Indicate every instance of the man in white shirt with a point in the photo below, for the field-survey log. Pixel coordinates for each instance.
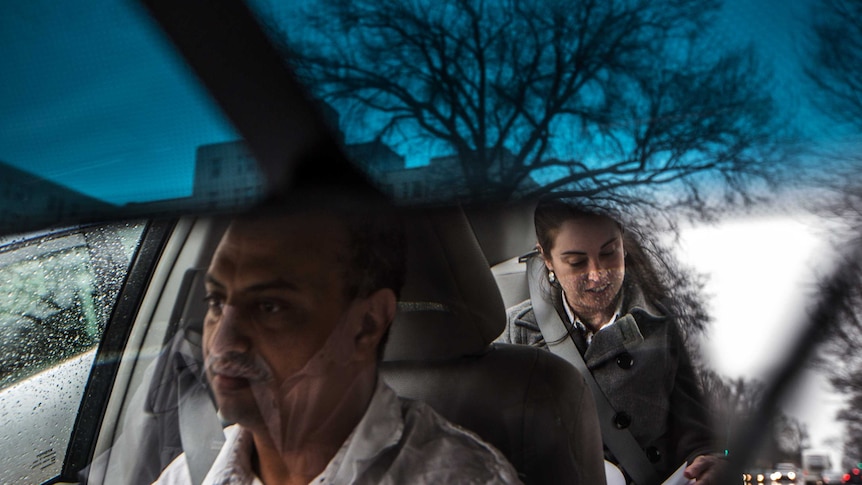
(299, 304)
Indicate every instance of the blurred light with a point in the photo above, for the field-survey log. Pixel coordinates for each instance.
(791, 475)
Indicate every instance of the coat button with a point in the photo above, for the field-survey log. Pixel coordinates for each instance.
(653, 455)
(622, 420)
(625, 360)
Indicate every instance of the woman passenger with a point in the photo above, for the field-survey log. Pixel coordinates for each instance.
(606, 290)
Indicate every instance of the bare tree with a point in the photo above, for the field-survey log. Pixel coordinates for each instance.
(731, 402)
(843, 361)
(734, 401)
(789, 438)
(590, 97)
(850, 383)
(835, 64)
(835, 69)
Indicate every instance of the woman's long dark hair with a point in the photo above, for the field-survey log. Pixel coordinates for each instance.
(552, 212)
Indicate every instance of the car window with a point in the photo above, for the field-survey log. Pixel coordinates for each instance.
(59, 289)
(728, 126)
(729, 130)
(100, 117)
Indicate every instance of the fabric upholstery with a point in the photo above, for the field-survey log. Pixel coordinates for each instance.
(530, 404)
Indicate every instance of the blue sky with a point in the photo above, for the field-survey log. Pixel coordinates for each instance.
(94, 98)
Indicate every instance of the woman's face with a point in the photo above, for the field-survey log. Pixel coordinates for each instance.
(587, 258)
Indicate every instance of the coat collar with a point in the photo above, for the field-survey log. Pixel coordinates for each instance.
(636, 315)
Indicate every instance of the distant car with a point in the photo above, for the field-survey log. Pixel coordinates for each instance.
(814, 464)
(785, 472)
(852, 476)
(755, 477)
(832, 477)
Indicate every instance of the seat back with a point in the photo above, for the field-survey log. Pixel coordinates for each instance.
(531, 405)
(511, 278)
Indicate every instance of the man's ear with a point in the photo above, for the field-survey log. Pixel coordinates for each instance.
(379, 312)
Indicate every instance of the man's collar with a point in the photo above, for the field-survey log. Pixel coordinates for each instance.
(379, 429)
(233, 463)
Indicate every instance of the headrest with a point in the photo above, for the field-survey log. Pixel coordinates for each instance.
(450, 305)
(511, 279)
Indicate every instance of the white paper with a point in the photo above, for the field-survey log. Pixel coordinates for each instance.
(678, 478)
(615, 477)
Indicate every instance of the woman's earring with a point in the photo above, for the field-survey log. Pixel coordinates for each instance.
(551, 276)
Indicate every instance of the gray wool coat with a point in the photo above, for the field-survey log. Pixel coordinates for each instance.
(644, 370)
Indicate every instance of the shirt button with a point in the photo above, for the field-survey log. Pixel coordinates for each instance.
(622, 420)
(653, 455)
(625, 360)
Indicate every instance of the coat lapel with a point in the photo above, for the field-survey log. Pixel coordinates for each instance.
(609, 342)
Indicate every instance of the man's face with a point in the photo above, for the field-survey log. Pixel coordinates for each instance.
(276, 292)
(588, 260)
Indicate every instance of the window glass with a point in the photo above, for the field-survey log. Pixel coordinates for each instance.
(716, 127)
(101, 117)
(59, 289)
(680, 114)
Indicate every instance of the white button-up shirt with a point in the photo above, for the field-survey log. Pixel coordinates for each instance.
(574, 320)
(397, 441)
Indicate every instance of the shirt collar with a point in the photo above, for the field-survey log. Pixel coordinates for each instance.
(576, 321)
(379, 429)
(233, 464)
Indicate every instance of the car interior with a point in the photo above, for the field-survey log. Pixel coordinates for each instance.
(145, 398)
(526, 402)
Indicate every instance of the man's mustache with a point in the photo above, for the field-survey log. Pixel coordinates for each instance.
(238, 365)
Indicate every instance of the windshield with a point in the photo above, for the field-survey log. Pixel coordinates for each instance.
(721, 138)
(727, 131)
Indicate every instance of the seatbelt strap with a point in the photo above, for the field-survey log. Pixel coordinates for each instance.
(201, 432)
(555, 332)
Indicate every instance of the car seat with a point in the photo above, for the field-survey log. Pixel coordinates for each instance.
(511, 278)
(530, 404)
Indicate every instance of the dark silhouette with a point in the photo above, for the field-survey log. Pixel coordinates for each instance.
(733, 402)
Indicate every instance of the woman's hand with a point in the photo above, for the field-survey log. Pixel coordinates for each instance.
(705, 469)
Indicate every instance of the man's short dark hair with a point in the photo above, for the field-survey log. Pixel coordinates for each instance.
(376, 252)
(375, 257)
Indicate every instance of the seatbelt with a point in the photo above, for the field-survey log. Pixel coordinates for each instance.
(620, 441)
(201, 431)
